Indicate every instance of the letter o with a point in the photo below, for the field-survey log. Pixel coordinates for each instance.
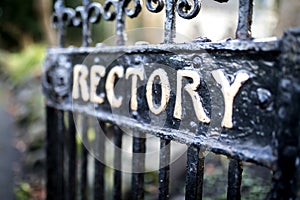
(165, 91)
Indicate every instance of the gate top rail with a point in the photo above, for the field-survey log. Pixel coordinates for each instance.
(262, 45)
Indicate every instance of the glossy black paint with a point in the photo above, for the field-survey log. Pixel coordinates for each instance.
(249, 140)
(266, 110)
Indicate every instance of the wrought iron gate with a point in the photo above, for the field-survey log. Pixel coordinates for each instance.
(240, 97)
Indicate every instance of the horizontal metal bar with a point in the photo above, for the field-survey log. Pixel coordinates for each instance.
(262, 44)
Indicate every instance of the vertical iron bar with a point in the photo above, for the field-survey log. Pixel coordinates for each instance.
(55, 153)
(117, 190)
(72, 161)
(84, 160)
(120, 25)
(164, 169)
(138, 168)
(59, 7)
(195, 171)
(86, 29)
(61, 29)
(245, 19)
(55, 131)
(235, 170)
(86, 40)
(170, 21)
(99, 184)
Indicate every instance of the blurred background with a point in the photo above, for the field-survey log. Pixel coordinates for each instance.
(26, 32)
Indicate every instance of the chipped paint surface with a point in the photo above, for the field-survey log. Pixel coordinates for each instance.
(243, 132)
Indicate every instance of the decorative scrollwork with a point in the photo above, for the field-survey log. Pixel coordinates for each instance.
(90, 13)
(78, 18)
(109, 15)
(136, 8)
(186, 10)
(121, 7)
(95, 11)
(62, 16)
(155, 5)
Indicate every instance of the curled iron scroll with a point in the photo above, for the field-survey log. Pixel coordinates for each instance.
(95, 11)
(92, 14)
(187, 10)
(155, 5)
(184, 8)
(107, 14)
(119, 7)
(136, 8)
(62, 16)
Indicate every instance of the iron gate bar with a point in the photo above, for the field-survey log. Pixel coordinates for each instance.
(72, 159)
(54, 151)
(170, 29)
(243, 32)
(245, 19)
(138, 166)
(164, 169)
(235, 170)
(84, 160)
(55, 126)
(99, 182)
(117, 190)
(195, 172)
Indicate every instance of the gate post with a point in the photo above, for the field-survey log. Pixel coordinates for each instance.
(286, 176)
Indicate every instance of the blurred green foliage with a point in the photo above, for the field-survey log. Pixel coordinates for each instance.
(23, 191)
(22, 65)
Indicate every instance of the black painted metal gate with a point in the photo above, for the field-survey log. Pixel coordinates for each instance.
(238, 98)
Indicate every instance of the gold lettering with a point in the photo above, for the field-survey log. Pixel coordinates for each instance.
(191, 89)
(135, 73)
(229, 92)
(97, 71)
(114, 101)
(165, 91)
(80, 74)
